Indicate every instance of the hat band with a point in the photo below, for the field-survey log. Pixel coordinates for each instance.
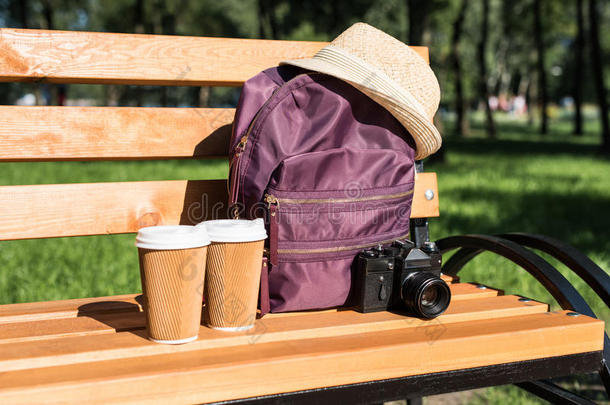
(368, 76)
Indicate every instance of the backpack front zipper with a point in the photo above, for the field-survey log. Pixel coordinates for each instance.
(346, 248)
(273, 205)
(270, 199)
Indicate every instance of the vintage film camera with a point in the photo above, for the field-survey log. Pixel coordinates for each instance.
(401, 276)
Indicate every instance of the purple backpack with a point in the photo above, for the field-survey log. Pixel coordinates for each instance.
(329, 170)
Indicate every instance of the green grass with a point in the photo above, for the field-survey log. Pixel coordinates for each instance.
(548, 186)
(555, 185)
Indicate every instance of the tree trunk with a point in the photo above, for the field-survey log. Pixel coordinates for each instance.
(260, 9)
(461, 125)
(598, 75)
(272, 19)
(528, 102)
(579, 44)
(138, 26)
(204, 97)
(483, 90)
(418, 20)
(542, 93)
(47, 11)
(23, 13)
(266, 14)
(501, 81)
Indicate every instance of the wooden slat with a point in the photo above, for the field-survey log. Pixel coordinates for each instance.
(42, 320)
(105, 208)
(122, 304)
(72, 340)
(462, 291)
(323, 322)
(55, 210)
(82, 325)
(38, 311)
(176, 374)
(104, 133)
(422, 207)
(459, 292)
(88, 57)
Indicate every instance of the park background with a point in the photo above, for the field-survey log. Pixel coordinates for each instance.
(524, 116)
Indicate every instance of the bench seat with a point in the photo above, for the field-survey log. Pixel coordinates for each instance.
(95, 349)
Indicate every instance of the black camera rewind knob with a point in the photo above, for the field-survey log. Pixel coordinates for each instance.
(369, 253)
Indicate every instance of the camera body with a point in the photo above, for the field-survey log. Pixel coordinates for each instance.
(401, 276)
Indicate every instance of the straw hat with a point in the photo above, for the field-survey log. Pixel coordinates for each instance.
(387, 71)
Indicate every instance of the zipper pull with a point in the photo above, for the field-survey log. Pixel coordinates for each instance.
(273, 204)
(242, 144)
(233, 181)
(264, 287)
(272, 200)
(234, 167)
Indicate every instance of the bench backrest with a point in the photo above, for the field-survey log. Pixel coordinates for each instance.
(129, 133)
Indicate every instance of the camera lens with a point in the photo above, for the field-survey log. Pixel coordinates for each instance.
(429, 297)
(425, 294)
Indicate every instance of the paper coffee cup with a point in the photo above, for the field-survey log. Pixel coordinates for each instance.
(233, 272)
(172, 268)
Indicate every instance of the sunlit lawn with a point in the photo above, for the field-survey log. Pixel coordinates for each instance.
(553, 185)
(524, 182)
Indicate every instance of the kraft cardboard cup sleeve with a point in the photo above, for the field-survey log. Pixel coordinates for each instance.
(172, 268)
(233, 272)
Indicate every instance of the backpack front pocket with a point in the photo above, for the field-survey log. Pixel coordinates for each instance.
(322, 209)
(313, 244)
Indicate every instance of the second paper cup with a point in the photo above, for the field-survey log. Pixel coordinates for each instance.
(233, 272)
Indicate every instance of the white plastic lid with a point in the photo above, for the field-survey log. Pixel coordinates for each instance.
(235, 230)
(168, 237)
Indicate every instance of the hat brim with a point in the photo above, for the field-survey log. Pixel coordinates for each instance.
(380, 88)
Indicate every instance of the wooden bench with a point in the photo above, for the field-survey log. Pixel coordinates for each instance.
(95, 349)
